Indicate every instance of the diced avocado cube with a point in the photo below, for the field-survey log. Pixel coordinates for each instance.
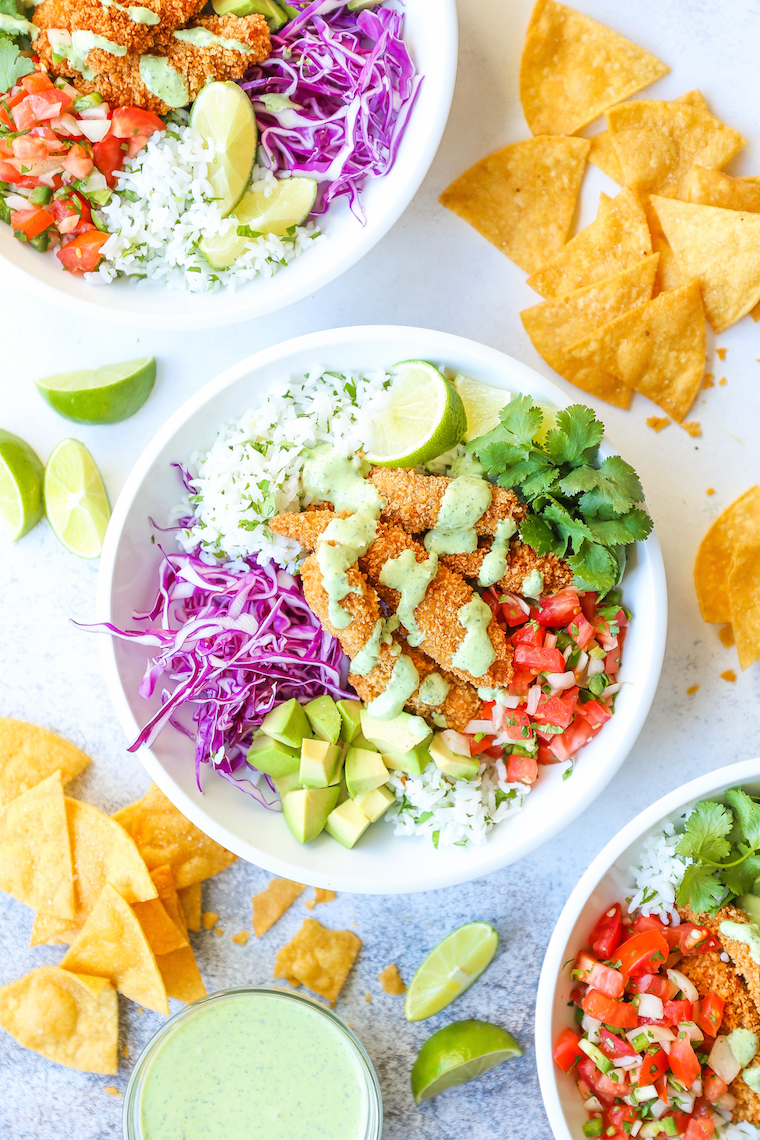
(413, 762)
(744, 1045)
(752, 1078)
(401, 733)
(307, 809)
(346, 823)
(365, 771)
(287, 723)
(750, 904)
(272, 12)
(273, 757)
(350, 715)
(285, 784)
(373, 804)
(324, 718)
(320, 761)
(454, 765)
(342, 791)
(362, 742)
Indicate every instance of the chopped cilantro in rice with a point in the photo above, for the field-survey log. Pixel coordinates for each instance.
(658, 874)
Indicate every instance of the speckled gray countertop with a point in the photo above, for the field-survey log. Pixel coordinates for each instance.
(430, 270)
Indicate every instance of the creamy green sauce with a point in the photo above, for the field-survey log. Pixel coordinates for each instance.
(745, 932)
(487, 694)
(411, 578)
(255, 1065)
(74, 46)
(495, 562)
(434, 689)
(466, 465)
(164, 81)
(369, 655)
(465, 500)
(203, 38)
(84, 42)
(532, 584)
(352, 538)
(329, 477)
(475, 654)
(404, 681)
(439, 720)
(14, 24)
(136, 13)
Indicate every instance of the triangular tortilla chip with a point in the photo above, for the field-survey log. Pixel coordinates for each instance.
(112, 945)
(162, 932)
(522, 198)
(659, 349)
(720, 249)
(190, 902)
(714, 188)
(35, 852)
(318, 958)
(28, 755)
(179, 969)
(102, 853)
(616, 240)
(738, 525)
(66, 1018)
(164, 835)
(657, 143)
(573, 69)
(554, 325)
(167, 893)
(744, 598)
(270, 905)
(669, 273)
(603, 153)
(127, 814)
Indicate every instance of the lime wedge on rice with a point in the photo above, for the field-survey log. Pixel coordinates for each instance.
(423, 416)
(265, 209)
(449, 969)
(482, 404)
(223, 113)
(458, 1053)
(104, 395)
(20, 486)
(76, 503)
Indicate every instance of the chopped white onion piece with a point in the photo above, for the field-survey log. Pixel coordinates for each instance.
(550, 640)
(612, 689)
(534, 696)
(66, 225)
(66, 124)
(722, 1060)
(593, 1104)
(590, 1026)
(560, 681)
(474, 726)
(16, 202)
(649, 1005)
(99, 111)
(727, 1101)
(629, 1062)
(95, 129)
(636, 1127)
(685, 985)
(658, 1109)
(692, 1030)
(595, 665)
(456, 741)
(645, 1092)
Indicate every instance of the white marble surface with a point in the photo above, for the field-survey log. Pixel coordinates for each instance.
(431, 270)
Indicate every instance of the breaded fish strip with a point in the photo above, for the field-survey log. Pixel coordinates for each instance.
(413, 501)
(92, 16)
(739, 951)
(521, 561)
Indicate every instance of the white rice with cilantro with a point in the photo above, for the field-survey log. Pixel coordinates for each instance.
(658, 874)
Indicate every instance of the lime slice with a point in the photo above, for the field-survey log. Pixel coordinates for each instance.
(458, 1053)
(264, 210)
(450, 969)
(482, 404)
(223, 112)
(20, 486)
(423, 417)
(548, 424)
(76, 502)
(100, 395)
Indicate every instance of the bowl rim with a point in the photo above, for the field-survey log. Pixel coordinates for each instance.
(638, 827)
(451, 345)
(236, 312)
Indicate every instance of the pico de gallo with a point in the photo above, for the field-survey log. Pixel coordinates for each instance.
(59, 154)
(648, 1055)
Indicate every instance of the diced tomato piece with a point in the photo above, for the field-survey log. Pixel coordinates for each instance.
(581, 630)
(608, 933)
(695, 939)
(595, 712)
(126, 122)
(31, 222)
(613, 1046)
(674, 1012)
(611, 1012)
(603, 1084)
(28, 148)
(714, 1086)
(566, 744)
(710, 1015)
(700, 1128)
(556, 710)
(517, 725)
(643, 953)
(588, 601)
(9, 173)
(78, 161)
(560, 609)
(661, 1084)
(478, 746)
(529, 634)
(620, 1116)
(109, 155)
(641, 984)
(684, 1063)
(653, 1067)
(83, 253)
(522, 770)
(609, 982)
(612, 661)
(521, 681)
(511, 610)
(648, 922)
(566, 1049)
(544, 660)
(662, 988)
(545, 754)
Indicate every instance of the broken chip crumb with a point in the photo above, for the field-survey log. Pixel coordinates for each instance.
(729, 675)
(112, 1090)
(693, 428)
(710, 491)
(218, 930)
(692, 689)
(722, 382)
(657, 423)
(208, 919)
(726, 635)
(241, 938)
(125, 1051)
(390, 980)
(320, 896)
(270, 905)
(368, 997)
(721, 352)
(708, 381)
(319, 958)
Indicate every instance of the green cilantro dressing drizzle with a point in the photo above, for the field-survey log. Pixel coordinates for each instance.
(476, 654)
(495, 562)
(329, 477)
(369, 655)
(411, 578)
(136, 13)
(18, 25)
(434, 689)
(532, 584)
(465, 500)
(404, 681)
(351, 538)
(164, 81)
(203, 38)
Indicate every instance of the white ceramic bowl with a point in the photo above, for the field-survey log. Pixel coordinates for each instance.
(381, 863)
(605, 882)
(431, 32)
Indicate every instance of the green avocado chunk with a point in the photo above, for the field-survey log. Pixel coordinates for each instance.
(350, 715)
(750, 904)
(375, 803)
(365, 771)
(320, 764)
(324, 718)
(285, 784)
(287, 723)
(401, 733)
(307, 809)
(454, 765)
(413, 762)
(273, 757)
(347, 823)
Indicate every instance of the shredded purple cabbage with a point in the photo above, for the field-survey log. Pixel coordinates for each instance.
(354, 84)
(236, 643)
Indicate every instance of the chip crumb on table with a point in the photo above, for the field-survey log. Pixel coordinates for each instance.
(242, 937)
(270, 904)
(321, 895)
(728, 675)
(726, 635)
(368, 998)
(693, 428)
(710, 491)
(218, 930)
(692, 689)
(657, 423)
(709, 379)
(722, 382)
(209, 919)
(391, 981)
(721, 352)
(112, 1090)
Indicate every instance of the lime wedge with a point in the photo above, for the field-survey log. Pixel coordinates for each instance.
(548, 424)
(76, 502)
(458, 1053)
(482, 404)
(450, 969)
(423, 417)
(100, 395)
(223, 112)
(264, 210)
(20, 486)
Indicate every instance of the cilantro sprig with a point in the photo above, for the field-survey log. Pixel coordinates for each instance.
(584, 511)
(724, 845)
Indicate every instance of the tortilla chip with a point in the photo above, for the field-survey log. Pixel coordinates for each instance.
(318, 958)
(714, 188)
(190, 901)
(113, 945)
(164, 835)
(738, 525)
(127, 815)
(616, 240)
(162, 933)
(181, 976)
(522, 198)
(270, 905)
(573, 69)
(28, 755)
(659, 349)
(163, 880)
(669, 273)
(554, 325)
(320, 896)
(657, 143)
(391, 981)
(69, 1019)
(744, 599)
(603, 153)
(720, 249)
(35, 852)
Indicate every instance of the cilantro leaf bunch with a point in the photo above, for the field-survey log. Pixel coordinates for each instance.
(724, 845)
(13, 65)
(581, 510)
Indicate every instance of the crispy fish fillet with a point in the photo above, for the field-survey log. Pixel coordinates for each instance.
(521, 560)
(413, 501)
(92, 16)
(739, 951)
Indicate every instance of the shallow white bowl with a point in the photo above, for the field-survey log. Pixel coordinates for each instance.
(430, 29)
(607, 881)
(381, 863)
